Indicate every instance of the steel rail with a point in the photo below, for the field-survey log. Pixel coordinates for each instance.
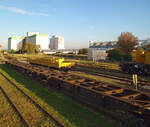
(35, 103)
(13, 106)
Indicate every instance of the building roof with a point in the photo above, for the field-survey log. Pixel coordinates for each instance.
(14, 37)
(104, 45)
(37, 35)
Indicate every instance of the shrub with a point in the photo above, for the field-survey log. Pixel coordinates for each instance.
(114, 54)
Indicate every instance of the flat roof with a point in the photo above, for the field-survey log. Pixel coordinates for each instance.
(35, 35)
(14, 37)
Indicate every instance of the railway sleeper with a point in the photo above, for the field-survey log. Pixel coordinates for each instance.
(109, 100)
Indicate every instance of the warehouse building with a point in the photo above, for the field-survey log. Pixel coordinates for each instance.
(96, 54)
(97, 50)
(15, 43)
(56, 43)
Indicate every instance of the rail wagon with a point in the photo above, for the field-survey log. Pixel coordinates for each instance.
(57, 63)
(141, 65)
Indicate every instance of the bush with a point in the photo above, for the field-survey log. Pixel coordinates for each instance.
(114, 54)
(127, 57)
(83, 51)
(13, 51)
(117, 55)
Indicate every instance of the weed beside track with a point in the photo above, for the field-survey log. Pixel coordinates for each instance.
(28, 110)
(8, 115)
(61, 107)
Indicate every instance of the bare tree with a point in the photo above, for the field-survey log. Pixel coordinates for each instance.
(127, 42)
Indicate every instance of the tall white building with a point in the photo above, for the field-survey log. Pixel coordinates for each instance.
(56, 43)
(38, 39)
(15, 43)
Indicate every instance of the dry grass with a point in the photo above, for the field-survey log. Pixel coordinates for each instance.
(102, 79)
(104, 65)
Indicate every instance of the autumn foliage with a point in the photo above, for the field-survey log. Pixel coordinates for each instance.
(126, 42)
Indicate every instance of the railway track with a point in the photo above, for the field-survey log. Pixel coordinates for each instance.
(25, 121)
(14, 107)
(96, 94)
(108, 75)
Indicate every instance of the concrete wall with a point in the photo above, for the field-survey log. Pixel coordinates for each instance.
(96, 54)
(15, 43)
(57, 43)
(41, 39)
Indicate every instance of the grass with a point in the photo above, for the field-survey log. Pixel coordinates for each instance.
(104, 65)
(101, 64)
(101, 79)
(7, 114)
(29, 111)
(63, 108)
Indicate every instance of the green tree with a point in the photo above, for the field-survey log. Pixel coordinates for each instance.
(127, 57)
(118, 55)
(13, 51)
(83, 51)
(30, 48)
(38, 48)
(114, 54)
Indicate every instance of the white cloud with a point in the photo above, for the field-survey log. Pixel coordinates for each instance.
(21, 11)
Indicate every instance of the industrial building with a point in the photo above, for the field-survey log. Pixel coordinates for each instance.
(96, 54)
(38, 39)
(97, 50)
(15, 43)
(143, 43)
(56, 43)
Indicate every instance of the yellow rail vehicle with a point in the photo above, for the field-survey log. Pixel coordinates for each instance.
(141, 65)
(58, 63)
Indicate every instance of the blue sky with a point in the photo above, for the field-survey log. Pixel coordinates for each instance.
(77, 20)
